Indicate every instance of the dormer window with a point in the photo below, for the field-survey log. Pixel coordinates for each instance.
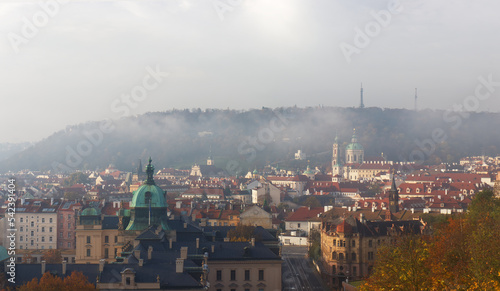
(429, 190)
(418, 190)
(408, 190)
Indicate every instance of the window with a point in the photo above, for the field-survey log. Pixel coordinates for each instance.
(21, 219)
(21, 228)
(298, 225)
(61, 234)
(50, 229)
(43, 239)
(50, 220)
(50, 239)
(106, 239)
(69, 234)
(334, 256)
(370, 243)
(32, 233)
(88, 239)
(353, 243)
(32, 242)
(116, 252)
(233, 275)
(219, 275)
(127, 280)
(69, 225)
(32, 224)
(353, 256)
(43, 229)
(334, 269)
(88, 252)
(21, 238)
(261, 275)
(116, 239)
(43, 220)
(247, 275)
(354, 271)
(106, 253)
(341, 256)
(370, 256)
(61, 217)
(69, 216)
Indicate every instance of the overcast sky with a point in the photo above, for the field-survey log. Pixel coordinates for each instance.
(74, 65)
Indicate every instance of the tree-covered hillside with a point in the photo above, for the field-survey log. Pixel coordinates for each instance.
(243, 140)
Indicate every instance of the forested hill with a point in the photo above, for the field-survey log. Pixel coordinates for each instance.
(243, 140)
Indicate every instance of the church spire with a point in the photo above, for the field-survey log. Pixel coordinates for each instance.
(393, 195)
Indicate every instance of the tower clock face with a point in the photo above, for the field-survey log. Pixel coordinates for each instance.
(392, 202)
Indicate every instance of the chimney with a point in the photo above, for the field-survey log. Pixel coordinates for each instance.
(362, 218)
(101, 265)
(185, 225)
(52, 201)
(43, 267)
(64, 263)
(197, 243)
(170, 242)
(137, 254)
(141, 262)
(179, 265)
(213, 248)
(184, 253)
(150, 252)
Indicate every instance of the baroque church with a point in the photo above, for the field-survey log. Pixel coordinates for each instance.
(354, 156)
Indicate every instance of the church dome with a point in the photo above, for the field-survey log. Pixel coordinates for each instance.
(148, 192)
(91, 211)
(354, 145)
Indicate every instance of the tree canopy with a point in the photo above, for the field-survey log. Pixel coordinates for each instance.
(463, 254)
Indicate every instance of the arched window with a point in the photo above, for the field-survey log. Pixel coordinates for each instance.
(341, 256)
(334, 256)
(353, 256)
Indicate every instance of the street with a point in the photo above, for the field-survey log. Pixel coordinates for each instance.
(298, 274)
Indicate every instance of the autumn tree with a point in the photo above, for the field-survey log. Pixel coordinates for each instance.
(401, 266)
(52, 257)
(49, 282)
(242, 233)
(312, 201)
(76, 178)
(463, 254)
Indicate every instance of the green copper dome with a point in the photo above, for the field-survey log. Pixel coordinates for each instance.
(354, 145)
(91, 211)
(145, 193)
(148, 205)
